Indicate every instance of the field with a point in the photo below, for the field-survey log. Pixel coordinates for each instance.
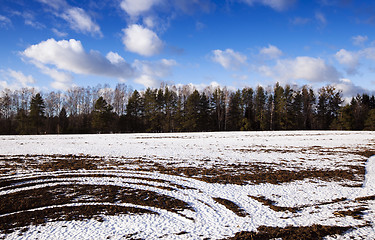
(228, 185)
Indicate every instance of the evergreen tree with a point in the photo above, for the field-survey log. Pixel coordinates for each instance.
(36, 116)
(234, 111)
(170, 109)
(102, 116)
(328, 105)
(278, 116)
(289, 114)
(344, 120)
(134, 112)
(260, 109)
(219, 108)
(150, 110)
(370, 121)
(63, 122)
(192, 112)
(308, 102)
(297, 112)
(22, 121)
(248, 106)
(204, 120)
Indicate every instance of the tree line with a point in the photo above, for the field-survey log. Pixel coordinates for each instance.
(102, 109)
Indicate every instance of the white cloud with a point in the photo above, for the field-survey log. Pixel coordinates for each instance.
(80, 21)
(135, 8)
(77, 18)
(349, 59)
(368, 53)
(15, 79)
(4, 21)
(70, 56)
(61, 59)
(271, 51)
(229, 59)
(21, 78)
(115, 58)
(58, 33)
(141, 40)
(63, 80)
(302, 68)
(349, 89)
(150, 74)
(359, 40)
(278, 5)
(149, 22)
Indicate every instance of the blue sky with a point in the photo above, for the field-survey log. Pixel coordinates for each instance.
(56, 44)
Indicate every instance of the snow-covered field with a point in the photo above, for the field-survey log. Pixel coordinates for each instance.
(185, 185)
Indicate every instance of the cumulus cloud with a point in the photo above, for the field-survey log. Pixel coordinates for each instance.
(271, 52)
(228, 59)
(278, 5)
(135, 8)
(61, 59)
(15, 79)
(115, 58)
(141, 40)
(349, 59)
(359, 40)
(349, 89)
(302, 68)
(150, 74)
(70, 56)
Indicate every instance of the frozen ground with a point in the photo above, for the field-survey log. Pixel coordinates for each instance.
(187, 185)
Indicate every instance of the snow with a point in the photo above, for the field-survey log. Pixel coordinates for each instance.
(282, 150)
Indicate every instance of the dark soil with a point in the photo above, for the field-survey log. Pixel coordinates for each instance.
(16, 221)
(21, 205)
(254, 173)
(232, 206)
(271, 204)
(20, 202)
(315, 232)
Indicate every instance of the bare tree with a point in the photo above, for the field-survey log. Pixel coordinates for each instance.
(120, 98)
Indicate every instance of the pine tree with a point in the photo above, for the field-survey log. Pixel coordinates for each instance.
(102, 115)
(248, 106)
(63, 124)
(260, 109)
(36, 116)
(192, 112)
(308, 109)
(134, 112)
(204, 120)
(370, 121)
(235, 112)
